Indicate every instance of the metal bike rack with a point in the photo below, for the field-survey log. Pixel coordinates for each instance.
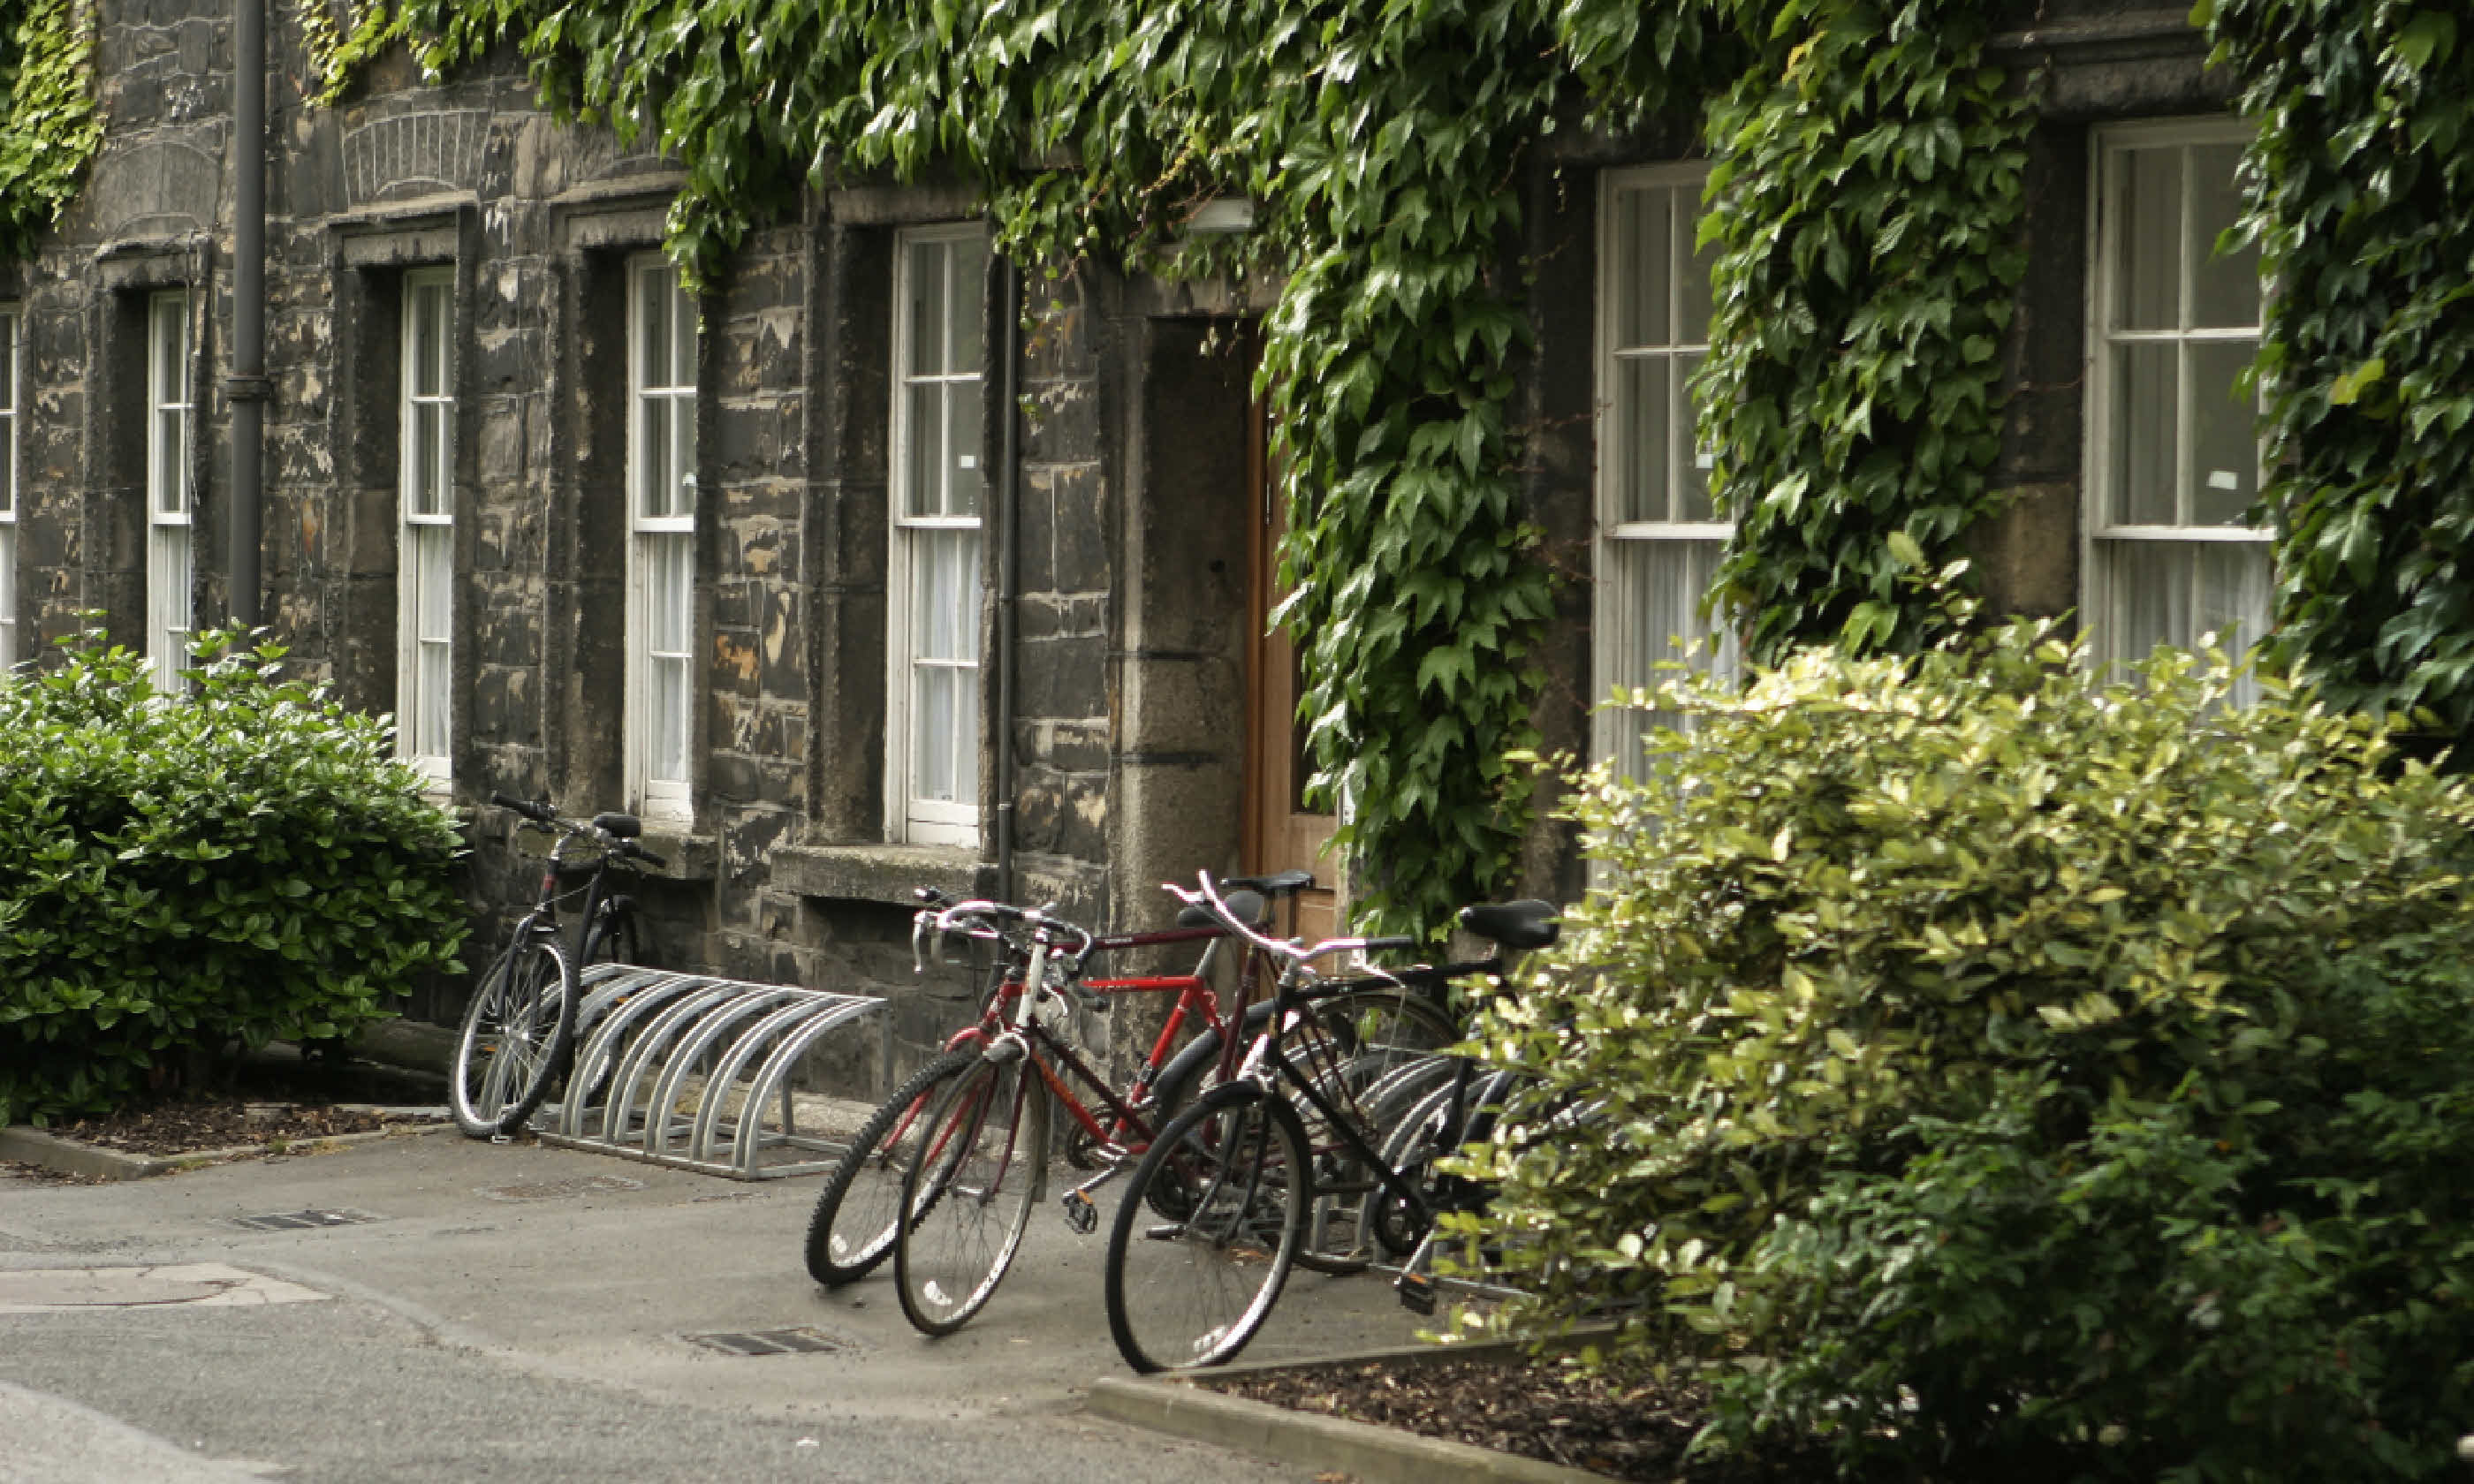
(691, 1070)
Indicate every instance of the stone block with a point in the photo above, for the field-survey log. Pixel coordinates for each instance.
(1064, 678)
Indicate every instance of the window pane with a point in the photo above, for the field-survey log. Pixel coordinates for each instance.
(1644, 266)
(429, 340)
(945, 596)
(170, 482)
(427, 494)
(654, 325)
(167, 601)
(964, 306)
(2224, 291)
(656, 461)
(2178, 592)
(669, 588)
(925, 494)
(2147, 223)
(2225, 434)
(666, 759)
(680, 487)
(1659, 588)
(434, 573)
(681, 368)
(1694, 296)
(1643, 405)
(926, 291)
(430, 723)
(1692, 468)
(932, 733)
(962, 480)
(2144, 455)
(8, 591)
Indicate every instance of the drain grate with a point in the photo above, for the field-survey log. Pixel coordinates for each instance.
(554, 1190)
(767, 1342)
(298, 1220)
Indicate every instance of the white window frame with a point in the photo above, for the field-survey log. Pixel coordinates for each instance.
(170, 492)
(425, 525)
(911, 819)
(661, 547)
(2106, 541)
(12, 377)
(1621, 655)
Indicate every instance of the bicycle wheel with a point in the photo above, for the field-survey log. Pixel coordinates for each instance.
(853, 1228)
(969, 1189)
(515, 1038)
(1192, 1291)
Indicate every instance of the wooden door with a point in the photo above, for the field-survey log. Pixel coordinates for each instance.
(1281, 833)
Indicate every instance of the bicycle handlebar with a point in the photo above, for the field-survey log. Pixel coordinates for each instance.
(539, 811)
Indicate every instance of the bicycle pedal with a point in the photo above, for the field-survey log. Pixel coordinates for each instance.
(501, 1138)
(1080, 1213)
(1417, 1293)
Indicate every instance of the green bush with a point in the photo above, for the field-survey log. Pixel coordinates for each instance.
(2009, 1073)
(244, 864)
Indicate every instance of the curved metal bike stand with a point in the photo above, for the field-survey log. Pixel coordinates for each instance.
(678, 1068)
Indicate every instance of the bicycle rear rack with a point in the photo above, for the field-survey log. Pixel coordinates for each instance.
(695, 1071)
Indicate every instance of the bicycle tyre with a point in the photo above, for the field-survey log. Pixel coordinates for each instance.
(853, 1229)
(969, 1189)
(1191, 1292)
(514, 1039)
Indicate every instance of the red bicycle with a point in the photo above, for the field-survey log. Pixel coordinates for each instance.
(967, 1136)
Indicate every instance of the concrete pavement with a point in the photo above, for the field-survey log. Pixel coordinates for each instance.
(519, 1311)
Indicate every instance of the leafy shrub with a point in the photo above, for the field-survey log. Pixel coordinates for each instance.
(246, 863)
(2017, 1074)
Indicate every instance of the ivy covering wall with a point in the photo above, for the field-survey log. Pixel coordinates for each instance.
(50, 128)
(1867, 194)
(2362, 195)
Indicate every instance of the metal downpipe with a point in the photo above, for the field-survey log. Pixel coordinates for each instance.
(1008, 558)
(245, 388)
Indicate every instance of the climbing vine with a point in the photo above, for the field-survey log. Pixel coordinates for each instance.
(50, 128)
(2360, 185)
(1865, 204)
(1866, 209)
(1382, 144)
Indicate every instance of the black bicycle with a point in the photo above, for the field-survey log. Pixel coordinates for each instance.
(518, 1032)
(1282, 1162)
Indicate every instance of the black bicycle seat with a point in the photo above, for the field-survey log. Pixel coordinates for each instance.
(1515, 924)
(1278, 884)
(1245, 906)
(625, 826)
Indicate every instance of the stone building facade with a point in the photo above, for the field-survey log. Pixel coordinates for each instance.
(739, 564)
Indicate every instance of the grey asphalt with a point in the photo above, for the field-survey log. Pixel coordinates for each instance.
(505, 1316)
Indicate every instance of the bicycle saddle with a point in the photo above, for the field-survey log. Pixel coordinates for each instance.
(1515, 924)
(1245, 906)
(625, 826)
(1278, 885)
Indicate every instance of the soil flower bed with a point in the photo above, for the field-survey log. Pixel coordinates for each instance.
(1627, 1429)
(196, 1125)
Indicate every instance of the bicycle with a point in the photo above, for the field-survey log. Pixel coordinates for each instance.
(1224, 1201)
(519, 1031)
(975, 1120)
(852, 1230)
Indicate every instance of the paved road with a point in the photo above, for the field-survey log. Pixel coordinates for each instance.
(521, 1312)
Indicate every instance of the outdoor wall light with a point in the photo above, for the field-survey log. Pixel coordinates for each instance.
(1222, 216)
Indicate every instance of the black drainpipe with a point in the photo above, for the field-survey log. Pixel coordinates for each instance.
(1008, 562)
(245, 388)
